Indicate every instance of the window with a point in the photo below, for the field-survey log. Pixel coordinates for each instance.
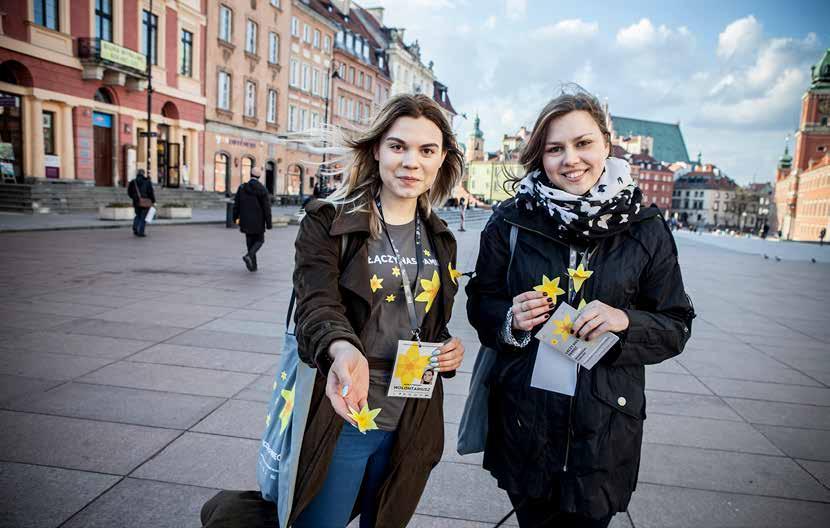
(325, 93)
(292, 118)
(361, 80)
(294, 78)
(315, 81)
(315, 119)
(271, 114)
(369, 83)
(250, 37)
(350, 41)
(220, 171)
(351, 75)
(46, 14)
(275, 3)
(306, 76)
(341, 106)
(150, 24)
(326, 43)
(339, 38)
(317, 38)
(49, 133)
(303, 124)
(225, 23)
(273, 48)
(187, 53)
(307, 33)
(250, 99)
(223, 91)
(103, 19)
(342, 72)
(295, 26)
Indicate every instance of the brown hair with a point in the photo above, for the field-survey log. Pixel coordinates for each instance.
(362, 178)
(534, 149)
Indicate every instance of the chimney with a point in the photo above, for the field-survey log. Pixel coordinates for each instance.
(376, 12)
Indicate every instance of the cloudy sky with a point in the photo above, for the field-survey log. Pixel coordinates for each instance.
(731, 72)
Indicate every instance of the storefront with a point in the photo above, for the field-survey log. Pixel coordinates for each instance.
(11, 138)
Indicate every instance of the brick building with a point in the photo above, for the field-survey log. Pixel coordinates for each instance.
(655, 179)
(73, 98)
(802, 182)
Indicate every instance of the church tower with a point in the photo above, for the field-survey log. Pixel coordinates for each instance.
(475, 145)
(812, 140)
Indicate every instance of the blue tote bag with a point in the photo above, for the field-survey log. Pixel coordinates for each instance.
(279, 451)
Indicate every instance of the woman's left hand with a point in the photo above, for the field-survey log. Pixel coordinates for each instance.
(597, 318)
(449, 356)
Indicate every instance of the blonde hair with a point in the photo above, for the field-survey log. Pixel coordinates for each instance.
(362, 182)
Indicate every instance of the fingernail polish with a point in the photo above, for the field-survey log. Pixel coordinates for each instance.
(344, 391)
(433, 362)
(435, 352)
(550, 300)
(547, 316)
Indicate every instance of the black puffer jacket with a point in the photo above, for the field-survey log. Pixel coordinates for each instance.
(585, 449)
(252, 207)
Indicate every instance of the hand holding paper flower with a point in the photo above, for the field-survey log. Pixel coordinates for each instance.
(550, 288)
(365, 419)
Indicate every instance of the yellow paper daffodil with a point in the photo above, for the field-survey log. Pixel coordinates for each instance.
(396, 271)
(579, 275)
(582, 304)
(285, 413)
(375, 283)
(454, 274)
(390, 298)
(411, 365)
(550, 288)
(365, 419)
(431, 288)
(563, 327)
(427, 253)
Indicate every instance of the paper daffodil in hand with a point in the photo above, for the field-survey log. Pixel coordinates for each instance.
(550, 288)
(579, 275)
(411, 366)
(454, 274)
(431, 288)
(285, 413)
(365, 419)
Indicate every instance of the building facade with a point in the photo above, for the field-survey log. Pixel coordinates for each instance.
(705, 198)
(73, 98)
(802, 182)
(655, 179)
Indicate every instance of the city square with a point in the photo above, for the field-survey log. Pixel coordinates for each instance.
(135, 376)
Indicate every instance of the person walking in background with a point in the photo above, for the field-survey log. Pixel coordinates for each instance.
(140, 190)
(821, 236)
(252, 211)
(462, 206)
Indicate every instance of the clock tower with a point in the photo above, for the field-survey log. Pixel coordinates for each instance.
(812, 141)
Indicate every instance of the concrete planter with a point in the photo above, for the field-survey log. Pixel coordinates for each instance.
(115, 213)
(175, 212)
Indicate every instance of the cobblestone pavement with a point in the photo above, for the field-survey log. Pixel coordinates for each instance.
(134, 375)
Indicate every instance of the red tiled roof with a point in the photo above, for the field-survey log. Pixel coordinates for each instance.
(444, 102)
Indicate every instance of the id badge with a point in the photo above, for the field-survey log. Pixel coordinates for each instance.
(412, 377)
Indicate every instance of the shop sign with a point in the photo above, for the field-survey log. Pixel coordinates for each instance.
(123, 56)
(9, 101)
(101, 120)
(51, 161)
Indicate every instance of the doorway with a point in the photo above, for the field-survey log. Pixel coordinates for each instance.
(11, 138)
(103, 144)
(221, 173)
(270, 176)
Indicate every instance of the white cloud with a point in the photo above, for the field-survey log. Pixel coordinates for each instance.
(643, 35)
(740, 38)
(570, 29)
(515, 9)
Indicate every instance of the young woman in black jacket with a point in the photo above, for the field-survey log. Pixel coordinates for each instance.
(582, 237)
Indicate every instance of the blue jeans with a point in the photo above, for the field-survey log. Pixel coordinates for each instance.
(138, 221)
(355, 455)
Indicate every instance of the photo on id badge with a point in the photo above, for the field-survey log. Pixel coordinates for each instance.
(412, 377)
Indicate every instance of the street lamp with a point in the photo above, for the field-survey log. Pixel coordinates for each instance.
(321, 176)
(148, 133)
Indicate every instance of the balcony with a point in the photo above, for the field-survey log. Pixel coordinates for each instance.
(115, 65)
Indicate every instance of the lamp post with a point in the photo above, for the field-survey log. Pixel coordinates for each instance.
(148, 133)
(321, 176)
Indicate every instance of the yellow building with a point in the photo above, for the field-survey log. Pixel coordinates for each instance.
(486, 179)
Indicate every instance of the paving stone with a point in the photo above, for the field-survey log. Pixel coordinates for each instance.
(47, 366)
(706, 433)
(13, 387)
(76, 344)
(458, 384)
(453, 407)
(219, 462)
(243, 419)
(769, 391)
(170, 378)
(675, 383)
(136, 502)
(799, 443)
(672, 507)
(229, 341)
(728, 471)
(787, 414)
(749, 370)
(48, 307)
(441, 497)
(426, 521)
(671, 366)
(43, 497)
(208, 358)
(820, 470)
(119, 404)
(270, 315)
(245, 327)
(91, 299)
(137, 315)
(137, 331)
(35, 321)
(78, 444)
(450, 451)
(684, 404)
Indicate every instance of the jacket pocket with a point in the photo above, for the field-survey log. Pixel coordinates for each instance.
(620, 390)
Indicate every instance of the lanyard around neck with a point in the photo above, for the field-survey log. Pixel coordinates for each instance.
(407, 289)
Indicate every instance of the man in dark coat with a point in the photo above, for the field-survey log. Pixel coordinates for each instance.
(252, 211)
(140, 187)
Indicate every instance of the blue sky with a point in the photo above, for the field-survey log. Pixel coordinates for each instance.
(731, 72)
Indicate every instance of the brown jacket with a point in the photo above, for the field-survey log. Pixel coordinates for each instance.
(334, 304)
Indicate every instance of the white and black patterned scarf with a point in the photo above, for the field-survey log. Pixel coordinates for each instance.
(607, 209)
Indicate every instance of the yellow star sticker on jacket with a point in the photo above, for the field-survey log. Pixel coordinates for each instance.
(579, 275)
(431, 288)
(550, 288)
(283, 375)
(454, 274)
(411, 365)
(396, 271)
(365, 419)
(285, 413)
(390, 298)
(375, 283)
(563, 327)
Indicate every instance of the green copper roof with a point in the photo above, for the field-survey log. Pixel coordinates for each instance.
(477, 130)
(786, 161)
(668, 140)
(821, 72)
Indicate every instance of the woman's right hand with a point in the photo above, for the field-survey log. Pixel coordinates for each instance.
(530, 309)
(347, 385)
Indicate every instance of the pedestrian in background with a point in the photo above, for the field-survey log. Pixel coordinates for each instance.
(570, 457)
(252, 211)
(462, 205)
(821, 236)
(140, 190)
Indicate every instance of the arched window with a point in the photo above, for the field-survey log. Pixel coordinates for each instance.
(221, 172)
(103, 95)
(247, 164)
